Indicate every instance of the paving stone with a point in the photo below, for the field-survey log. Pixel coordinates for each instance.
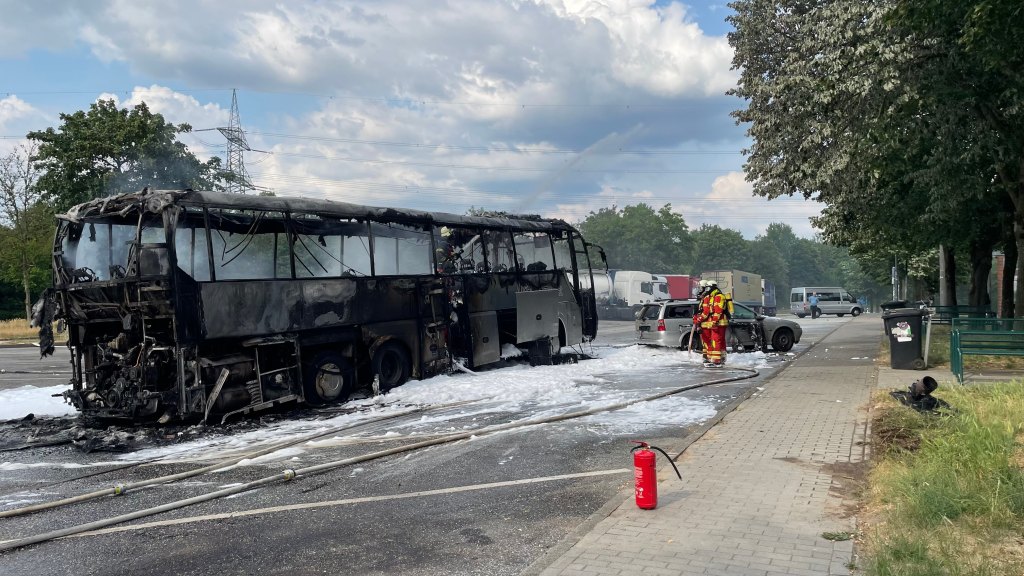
(756, 497)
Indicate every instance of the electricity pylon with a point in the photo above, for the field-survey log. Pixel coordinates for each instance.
(238, 177)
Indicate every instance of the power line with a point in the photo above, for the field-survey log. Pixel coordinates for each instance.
(332, 187)
(408, 101)
(489, 168)
(496, 149)
(489, 149)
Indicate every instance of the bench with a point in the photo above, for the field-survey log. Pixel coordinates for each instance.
(983, 337)
(945, 314)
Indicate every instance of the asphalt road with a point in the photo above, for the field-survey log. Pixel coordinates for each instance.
(492, 504)
(22, 366)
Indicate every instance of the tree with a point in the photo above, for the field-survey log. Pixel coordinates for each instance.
(28, 224)
(717, 248)
(766, 260)
(901, 116)
(637, 237)
(107, 150)
(971, 72)
(785, 242)
(806, 262)
(640, 238)
(814, 77)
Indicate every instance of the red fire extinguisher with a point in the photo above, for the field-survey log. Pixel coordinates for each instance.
(645, 471)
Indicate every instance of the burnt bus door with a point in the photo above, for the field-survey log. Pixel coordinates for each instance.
(582, 264)
(433, 320)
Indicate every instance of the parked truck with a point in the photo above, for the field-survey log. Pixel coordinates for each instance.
(768, 304)
(744, 287)
(620, 293)
(681, 286)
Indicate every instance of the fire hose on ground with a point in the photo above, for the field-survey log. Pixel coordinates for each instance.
(119, 489)
(291, 474)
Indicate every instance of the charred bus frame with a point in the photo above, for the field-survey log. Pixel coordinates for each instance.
(186, 304)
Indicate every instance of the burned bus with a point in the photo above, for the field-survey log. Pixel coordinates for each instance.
(182, 305)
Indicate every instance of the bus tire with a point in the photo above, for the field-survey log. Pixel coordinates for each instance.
(328, 378)
(391, 364)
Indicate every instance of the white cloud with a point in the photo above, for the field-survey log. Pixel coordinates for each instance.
(103, 47)
(530, 105)
(607, 197)
(274, 40)
(731, 187)
(45, 24)
(658, 49)
(17, 118)
(731, 203)
(13, 109)
(480, 51)
(178, 108)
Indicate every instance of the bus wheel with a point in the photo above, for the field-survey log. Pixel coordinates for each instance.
(328, 378)
(391, 364)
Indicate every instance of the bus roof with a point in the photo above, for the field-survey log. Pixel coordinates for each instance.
(156, 201)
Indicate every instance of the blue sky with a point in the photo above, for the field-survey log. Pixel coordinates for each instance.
(556, 107)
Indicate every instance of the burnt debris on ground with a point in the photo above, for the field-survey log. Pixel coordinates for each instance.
(919, 396)
(92, 435)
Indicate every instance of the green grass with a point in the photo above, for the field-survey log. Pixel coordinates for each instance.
(947, 492)
(938, 349)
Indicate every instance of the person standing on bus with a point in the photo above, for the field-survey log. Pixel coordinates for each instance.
(713, 319)
(813, 301)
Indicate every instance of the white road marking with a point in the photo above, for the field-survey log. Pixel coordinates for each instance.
(348, 501)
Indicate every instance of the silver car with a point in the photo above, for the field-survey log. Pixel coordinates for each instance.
(669, 323)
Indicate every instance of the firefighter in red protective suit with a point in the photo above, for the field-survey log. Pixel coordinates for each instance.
(712, 317)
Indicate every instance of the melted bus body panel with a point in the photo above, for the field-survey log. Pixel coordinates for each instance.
(184, 304)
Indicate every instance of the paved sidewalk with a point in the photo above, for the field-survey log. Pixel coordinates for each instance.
(759, 488)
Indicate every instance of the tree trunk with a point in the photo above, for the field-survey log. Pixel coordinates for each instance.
(947, 276)
(1018, 296)
(1010, 256)
(981, 266)
(28, 293)
(24, 270)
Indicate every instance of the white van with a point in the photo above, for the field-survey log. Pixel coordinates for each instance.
(831, 300)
